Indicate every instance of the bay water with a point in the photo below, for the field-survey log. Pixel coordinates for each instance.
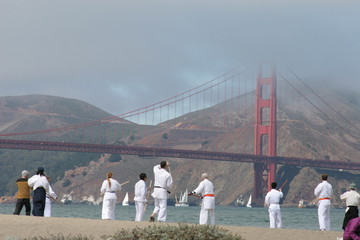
(293, 218)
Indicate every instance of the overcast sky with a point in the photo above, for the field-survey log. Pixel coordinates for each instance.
(121, 55)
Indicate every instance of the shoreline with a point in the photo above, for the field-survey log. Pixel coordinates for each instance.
(29, 226)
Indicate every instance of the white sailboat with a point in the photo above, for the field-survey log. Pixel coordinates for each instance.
(301, 204)
(183, 201)
(249, 203)
(125, 202)
(240, 201)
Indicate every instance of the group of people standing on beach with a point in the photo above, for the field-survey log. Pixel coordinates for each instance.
(162, 185)
(324, 193)
(42, 194)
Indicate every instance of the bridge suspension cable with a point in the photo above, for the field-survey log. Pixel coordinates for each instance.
(152, 107)
(309, 101)
(317, 95)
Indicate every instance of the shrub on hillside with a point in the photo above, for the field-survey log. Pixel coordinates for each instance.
(115, 158)
(66, 183)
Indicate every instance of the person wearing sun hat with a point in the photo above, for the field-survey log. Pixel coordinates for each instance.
(352, 199)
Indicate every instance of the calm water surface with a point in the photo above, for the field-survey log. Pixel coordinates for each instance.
(296, 218)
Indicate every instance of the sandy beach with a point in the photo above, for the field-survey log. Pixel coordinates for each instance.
(25, 226)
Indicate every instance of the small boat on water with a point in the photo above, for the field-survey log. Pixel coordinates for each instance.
(301, 204)
(125, 202)
(183, 201)
(249, 202)
(240, 201)
(305, 204)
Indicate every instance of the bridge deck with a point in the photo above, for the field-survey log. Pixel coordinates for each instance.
(175, 153)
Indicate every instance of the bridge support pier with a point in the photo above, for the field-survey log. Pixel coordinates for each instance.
(265, 135)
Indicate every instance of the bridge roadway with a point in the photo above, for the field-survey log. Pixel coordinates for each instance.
(175, 153)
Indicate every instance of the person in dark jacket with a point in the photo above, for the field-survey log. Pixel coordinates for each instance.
(23, 194)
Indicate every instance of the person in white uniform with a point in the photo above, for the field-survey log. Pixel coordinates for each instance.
(109, 188)
(162, 185)
(352, 198)
(272, 200)
(50, 195)
(40, 186)
(323, 192)
(140, 197)
(206, 190)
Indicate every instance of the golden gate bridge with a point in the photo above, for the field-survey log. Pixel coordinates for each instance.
(232, 95)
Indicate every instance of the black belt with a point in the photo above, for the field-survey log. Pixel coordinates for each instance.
(162, 188)
(111, 191)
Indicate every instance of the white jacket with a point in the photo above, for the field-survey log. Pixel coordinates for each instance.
(162, 184)
(110, 192)
(140, 191)
(206, 188)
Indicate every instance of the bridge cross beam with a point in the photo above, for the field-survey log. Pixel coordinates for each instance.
(265, 133)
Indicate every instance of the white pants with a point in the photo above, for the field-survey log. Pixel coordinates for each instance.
(160, 209)
(275, 218)
(47, 210)
(324, 214)
(140, 208)
(108, 209)
(204, 213)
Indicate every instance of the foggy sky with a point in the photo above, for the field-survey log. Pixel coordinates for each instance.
(122, 55)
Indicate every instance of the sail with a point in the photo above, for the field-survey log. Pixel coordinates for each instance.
(176, 200)
(249, 203)
(126, 200)
(183, 199)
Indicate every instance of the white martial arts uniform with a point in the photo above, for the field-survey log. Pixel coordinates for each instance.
(38, 181)
(140, 199)
(206, 189)
(109, 200)
(272, 199)
(47, 211)
(324, 191)
(162, 184)
(40, 186)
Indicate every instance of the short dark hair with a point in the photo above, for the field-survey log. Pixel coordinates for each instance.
(324, 176)
(163, 164)
(40, 171)
(273, 185)
(142, 176)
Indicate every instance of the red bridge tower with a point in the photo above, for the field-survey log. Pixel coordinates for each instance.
(265, 134)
